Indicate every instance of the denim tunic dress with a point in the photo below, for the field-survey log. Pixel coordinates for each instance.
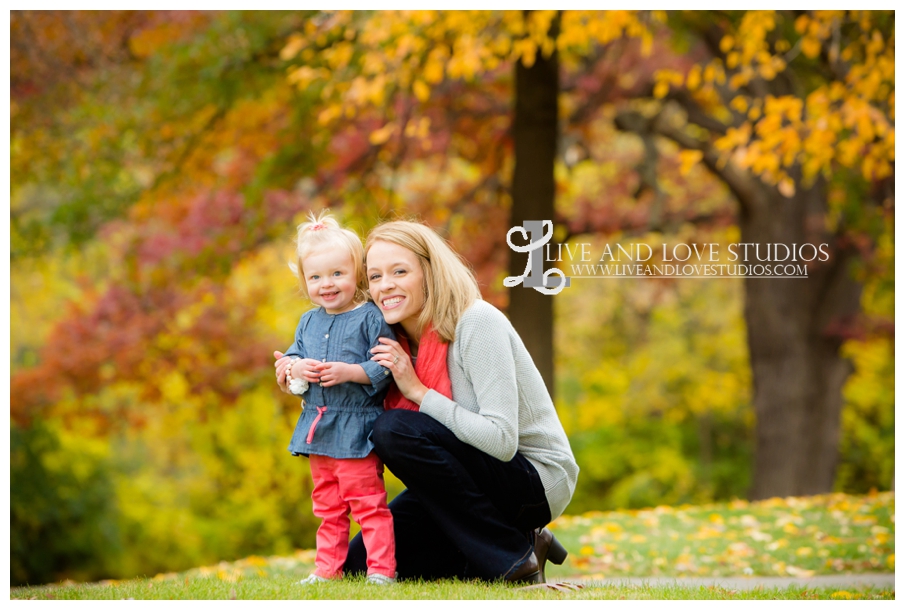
(337, 421)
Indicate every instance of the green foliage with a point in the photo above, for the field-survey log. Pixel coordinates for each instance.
(654, 382)
(867, 448)
(201, 491)
(63, 512)
(183, 490)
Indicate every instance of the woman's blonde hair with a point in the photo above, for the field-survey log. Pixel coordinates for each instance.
(449, 284)
(319, 233)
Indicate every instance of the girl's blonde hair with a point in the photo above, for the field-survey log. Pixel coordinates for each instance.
(449, 284)
(319, 233)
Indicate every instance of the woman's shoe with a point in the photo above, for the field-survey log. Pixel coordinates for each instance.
(547, 547)
(528, 573)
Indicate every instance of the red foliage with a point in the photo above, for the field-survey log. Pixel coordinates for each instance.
(130, 332)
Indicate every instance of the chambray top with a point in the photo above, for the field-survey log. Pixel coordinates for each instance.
(343, 429)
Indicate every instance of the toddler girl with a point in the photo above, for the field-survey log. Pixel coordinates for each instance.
(330, 365)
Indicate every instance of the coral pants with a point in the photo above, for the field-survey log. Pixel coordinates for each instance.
(342, 486)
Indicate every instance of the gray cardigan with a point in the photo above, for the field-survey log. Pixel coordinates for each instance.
(501, 404)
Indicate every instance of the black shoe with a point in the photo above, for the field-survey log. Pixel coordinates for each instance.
(547, 547)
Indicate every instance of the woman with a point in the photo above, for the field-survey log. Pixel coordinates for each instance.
(485, 466)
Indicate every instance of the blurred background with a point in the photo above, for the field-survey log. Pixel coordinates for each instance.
(161, 160)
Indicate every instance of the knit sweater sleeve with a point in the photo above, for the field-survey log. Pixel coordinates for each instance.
(484, 350)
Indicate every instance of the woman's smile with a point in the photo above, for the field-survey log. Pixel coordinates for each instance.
(396, 283)
(392, 302)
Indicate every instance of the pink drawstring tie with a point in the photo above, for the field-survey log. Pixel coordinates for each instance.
(320, 414)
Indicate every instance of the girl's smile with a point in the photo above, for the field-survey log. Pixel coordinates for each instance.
(331, 280)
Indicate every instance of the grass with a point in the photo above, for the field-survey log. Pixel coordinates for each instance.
(798, 537)
(284, 587)
(801, 537)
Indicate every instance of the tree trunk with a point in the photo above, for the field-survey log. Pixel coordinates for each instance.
(796, 366)
(535, 136)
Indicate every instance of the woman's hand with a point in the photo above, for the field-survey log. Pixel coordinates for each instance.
(281, 366)
(391, 355)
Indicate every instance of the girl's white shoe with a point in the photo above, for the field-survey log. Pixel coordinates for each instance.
(380, 579)
(313, 579)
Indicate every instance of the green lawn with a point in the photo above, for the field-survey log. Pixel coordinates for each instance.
(284, 587)
(801, 537)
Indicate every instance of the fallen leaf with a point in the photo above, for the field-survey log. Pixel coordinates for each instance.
(799, 572)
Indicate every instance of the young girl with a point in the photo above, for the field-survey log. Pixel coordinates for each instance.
(330, 365)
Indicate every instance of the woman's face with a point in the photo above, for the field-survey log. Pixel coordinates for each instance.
(396, 284)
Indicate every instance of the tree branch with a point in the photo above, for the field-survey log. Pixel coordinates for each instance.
(743, 186)
(630, 228)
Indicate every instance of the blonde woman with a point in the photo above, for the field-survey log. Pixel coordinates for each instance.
(484, 458)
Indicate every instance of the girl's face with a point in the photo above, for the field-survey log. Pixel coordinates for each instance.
(331, 280)
(396, 284)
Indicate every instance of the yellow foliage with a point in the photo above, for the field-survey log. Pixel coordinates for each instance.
(810, 46)
(739, 103)
(788, 128)
(293, 46)
(661, 89)
(382, 135)
(689, 158)
(693, 80)
(422, 90)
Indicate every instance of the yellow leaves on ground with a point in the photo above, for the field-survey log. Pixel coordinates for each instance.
(735, 538)
(841, 595)
(799, 572)
(290, 564)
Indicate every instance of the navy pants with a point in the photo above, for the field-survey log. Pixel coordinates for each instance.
(464, 513)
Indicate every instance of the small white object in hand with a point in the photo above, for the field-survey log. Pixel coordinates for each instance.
(298, 386)
(313, 579)
(380, 579)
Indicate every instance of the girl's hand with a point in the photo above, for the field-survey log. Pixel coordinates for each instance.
(334, 373)
(391, 355)
(302, 368)
(307, 369)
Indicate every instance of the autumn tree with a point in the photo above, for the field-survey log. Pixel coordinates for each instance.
(780, 107)
(535, 136)
(794, 112)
